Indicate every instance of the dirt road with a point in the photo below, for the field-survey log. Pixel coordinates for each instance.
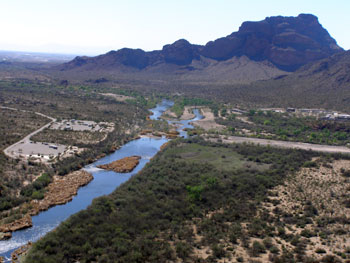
(285, 144)
(26, 139)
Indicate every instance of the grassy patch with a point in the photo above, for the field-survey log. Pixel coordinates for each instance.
(221, 158)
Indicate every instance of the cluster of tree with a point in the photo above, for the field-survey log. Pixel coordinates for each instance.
(140, 220)
(293, 128)
(36, 189)
(181, 102)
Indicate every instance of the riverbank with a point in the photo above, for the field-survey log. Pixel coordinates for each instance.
(59, 192)
(173, 134)
(208, 122)
(104, 182)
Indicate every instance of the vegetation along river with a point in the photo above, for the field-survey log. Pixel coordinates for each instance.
(104, 183)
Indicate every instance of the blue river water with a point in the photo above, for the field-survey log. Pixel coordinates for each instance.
(104, 182)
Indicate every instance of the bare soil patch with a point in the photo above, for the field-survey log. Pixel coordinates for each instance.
(188, 113)
(118, 97)
(208, 122)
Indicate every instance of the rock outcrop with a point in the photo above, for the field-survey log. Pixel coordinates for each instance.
(21, 251)
(286, 42)
(5, 236)
(24, 222)
(125, 165)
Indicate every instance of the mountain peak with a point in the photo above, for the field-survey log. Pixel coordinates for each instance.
(309, 17)
(286, 42)
(179, 43)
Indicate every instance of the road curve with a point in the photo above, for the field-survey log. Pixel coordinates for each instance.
(286, 144)
(26, 139)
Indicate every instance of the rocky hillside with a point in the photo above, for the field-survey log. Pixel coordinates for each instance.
(324, 83)
(281, 43)
(332, 73)
(287, 42)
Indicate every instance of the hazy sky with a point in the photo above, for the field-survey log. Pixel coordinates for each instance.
(97, 26)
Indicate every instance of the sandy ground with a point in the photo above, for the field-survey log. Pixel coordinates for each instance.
(35, 149)
(169, 113)
(188, 113)
(208, 122)
(117, 96)
(284, 144)
(327, 190)
(244, 119)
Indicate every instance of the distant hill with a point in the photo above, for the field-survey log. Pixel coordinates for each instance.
(33, 57)
(324, 83)
(269, 48)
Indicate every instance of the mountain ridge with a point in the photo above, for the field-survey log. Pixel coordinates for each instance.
(286, 42)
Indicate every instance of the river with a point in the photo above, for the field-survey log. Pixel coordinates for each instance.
(104, 182)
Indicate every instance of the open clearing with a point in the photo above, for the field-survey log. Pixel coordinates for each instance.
(118, 97)
(221, 158)
(43, 150)
(81, 125)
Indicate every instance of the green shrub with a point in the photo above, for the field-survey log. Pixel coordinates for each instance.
(320, 251)
(257, 248)
(38, 195)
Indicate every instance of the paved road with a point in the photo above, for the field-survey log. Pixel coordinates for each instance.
(285, 144)
(26, 139)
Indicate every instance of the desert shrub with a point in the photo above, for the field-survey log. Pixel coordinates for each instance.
(257, 248)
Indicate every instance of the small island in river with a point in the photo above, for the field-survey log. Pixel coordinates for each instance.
(125, 165)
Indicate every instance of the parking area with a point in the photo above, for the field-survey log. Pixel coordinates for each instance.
(42, 150)
(79, 125)
(75, 125)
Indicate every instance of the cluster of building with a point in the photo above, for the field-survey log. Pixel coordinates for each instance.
(80, 125)
(336, 116)
(320, 113)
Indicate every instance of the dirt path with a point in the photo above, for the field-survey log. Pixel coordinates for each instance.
(285, 144)
(26, 139)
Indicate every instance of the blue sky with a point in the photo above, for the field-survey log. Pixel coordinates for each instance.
(97, 26)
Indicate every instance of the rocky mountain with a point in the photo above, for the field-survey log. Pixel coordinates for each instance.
(287, 42)
(321, 84)
(332, 73)
(280, 43)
